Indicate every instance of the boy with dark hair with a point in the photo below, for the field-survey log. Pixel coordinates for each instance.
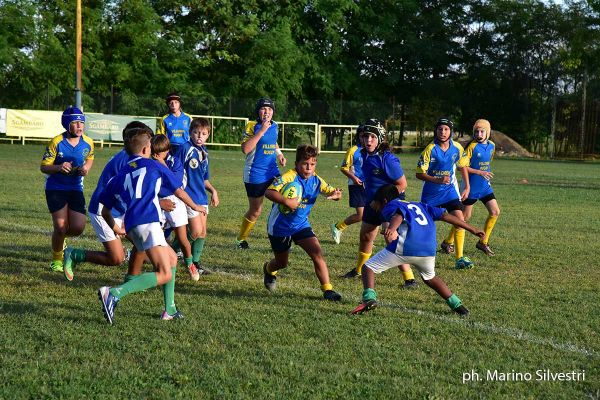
(285, 228)
(176, 124)
(411, 235)
(137, 186)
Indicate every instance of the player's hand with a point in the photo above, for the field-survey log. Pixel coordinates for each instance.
(358, 181)
(465, 194)
(281, 160)
(119, 231)
(214, 199)
(66, 168)
(443, 180)
(336, 195)
(199, 209)
(479, 233)
(390, 235)
(82, 171)
(486, 175)
(292, 204)
(167, 204)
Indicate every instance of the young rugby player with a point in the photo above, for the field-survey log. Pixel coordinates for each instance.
(285, 228)
(176, 124)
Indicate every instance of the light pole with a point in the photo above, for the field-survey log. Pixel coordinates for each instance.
(78, 56)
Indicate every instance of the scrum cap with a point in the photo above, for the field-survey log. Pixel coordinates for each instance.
(70, 115)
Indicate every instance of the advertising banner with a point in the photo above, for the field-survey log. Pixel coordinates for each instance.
(33, 123)
(109, 127)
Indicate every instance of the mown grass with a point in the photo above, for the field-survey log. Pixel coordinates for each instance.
(533, 306)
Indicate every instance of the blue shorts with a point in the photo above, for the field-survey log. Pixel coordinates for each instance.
(57, 199)
(281, 244)
(356, 196)
(257, 189)
(469, 201)
(452, 205)
(372, 217)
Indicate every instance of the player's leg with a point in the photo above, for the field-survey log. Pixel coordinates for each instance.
(60, 220)
(356, 200)
(380, 262)
(281, 250)
(493, 212)
(170, 312)
(367, 235)
(426, 267)
(307, 240)
(256, 194)
(197, 237)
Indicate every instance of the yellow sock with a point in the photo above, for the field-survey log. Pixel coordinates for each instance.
(341, 225)
(326, 286)
(362, 259)
(269, 270)
(57, 255)
(459, 239)
(450, 238)
(245, 229)
(489, 225)
(408, 275)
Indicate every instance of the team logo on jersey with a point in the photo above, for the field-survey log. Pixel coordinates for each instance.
(133, 164)
(478, 155)
(454, 157)
(377, 171)
(60, 154)
(85, 152)
(433, 159)
(194, 163)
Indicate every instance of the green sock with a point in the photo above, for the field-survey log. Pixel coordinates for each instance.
(176, 245)
(453, 302)
(197, 247)
(139, 283)
(188, 260)
(169, 293)
(78, 255)
(129, 277)
(369, 294)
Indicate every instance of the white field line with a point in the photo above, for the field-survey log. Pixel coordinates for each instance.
(500, 330)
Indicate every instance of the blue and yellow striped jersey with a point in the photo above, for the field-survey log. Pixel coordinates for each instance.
(177, 129)
(261, 162)
(58, 151)
(439, 163)
(353, 162)
(480, 156)
(287, 224)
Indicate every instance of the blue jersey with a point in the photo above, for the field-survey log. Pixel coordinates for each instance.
(261, 162)
(416, 233)
(111, 169)
(176, 168)
(480, 156)
(195, 171)
(353, 162)
(137, 186)
(379, 170)
(59, 151)
(439, 163)
(287, 224)
(177, 129)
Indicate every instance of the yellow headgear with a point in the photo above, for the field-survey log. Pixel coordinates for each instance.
(483, 124)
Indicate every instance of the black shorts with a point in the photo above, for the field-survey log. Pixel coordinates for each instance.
(257, 189)
(372, 217)
(356, 196)
(57, 199)
(281, 244)
(452, 205)
(484, 199)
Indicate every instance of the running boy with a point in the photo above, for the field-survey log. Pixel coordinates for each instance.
(411, 235)
(294, 226)
(194, 156)
(67, 160)
(259, 144)
(352, 168)
(480, 153)
(436, 168)
(137, 186)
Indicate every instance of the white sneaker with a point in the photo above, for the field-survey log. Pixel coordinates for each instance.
(194, 274)
(336, 234)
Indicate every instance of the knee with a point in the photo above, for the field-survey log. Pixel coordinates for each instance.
(495, 213)
(116, 259)
(61, 229)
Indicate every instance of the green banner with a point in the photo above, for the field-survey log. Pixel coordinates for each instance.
(109, 127)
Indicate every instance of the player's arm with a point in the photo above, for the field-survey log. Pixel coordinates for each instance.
(187, 200)
(48, 167)
(252, 138)
(451, 219)
(391, 231)
(107, 215)
(467, 188)
(401, 184)
(85, 168)
(214, 198)
(280, 157)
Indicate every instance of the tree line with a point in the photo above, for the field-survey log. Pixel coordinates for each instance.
(328, 61)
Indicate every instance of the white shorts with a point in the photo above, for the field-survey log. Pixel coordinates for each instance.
(177, 217)
(146, 236)
(385, 260)
(191, 213)
(103, 231)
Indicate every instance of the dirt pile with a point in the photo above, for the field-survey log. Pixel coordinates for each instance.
(505, 146)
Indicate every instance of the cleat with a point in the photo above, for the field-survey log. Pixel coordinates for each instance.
(202, 270)
(242, 245)
(461, 310)
(464, 263)
(332, 295)
(166, 317)
(109, 303)
(485, 248)
(127, 255)
(410, 284)
(270, 281)
(447, 248)
(364, 307)
(194, 274)
(69, 264)
(56, 266)
(336, 234)
(351, 274)
(179, 255)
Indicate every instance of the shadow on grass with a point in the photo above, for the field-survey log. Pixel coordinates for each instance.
(19, 308)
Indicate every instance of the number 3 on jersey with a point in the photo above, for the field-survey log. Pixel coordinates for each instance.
(421, 219)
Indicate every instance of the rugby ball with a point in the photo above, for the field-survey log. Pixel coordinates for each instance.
(290, 191)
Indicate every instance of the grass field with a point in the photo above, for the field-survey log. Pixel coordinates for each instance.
(534, 306)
